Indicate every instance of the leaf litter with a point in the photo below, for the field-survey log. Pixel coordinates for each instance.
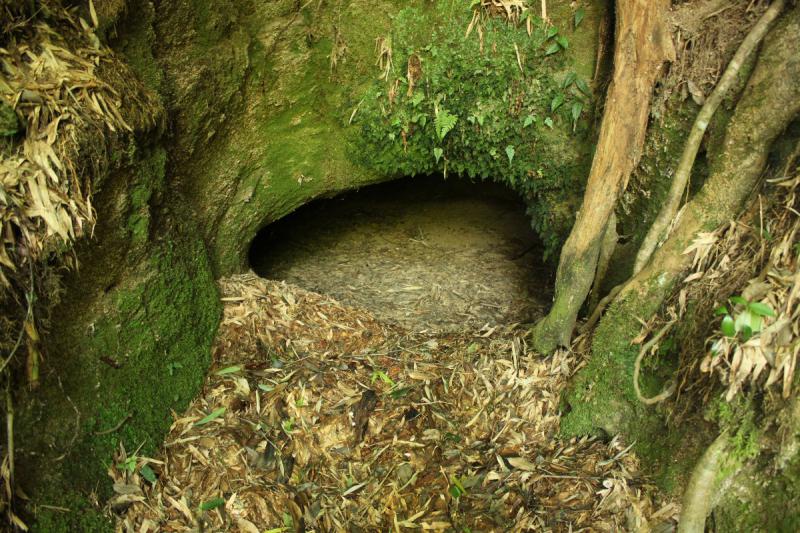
(330, 420)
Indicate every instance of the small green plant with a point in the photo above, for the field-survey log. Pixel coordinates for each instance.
(380, 374)
(742, 319)
(456, 487)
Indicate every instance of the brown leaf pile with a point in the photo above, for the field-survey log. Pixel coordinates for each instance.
(50, 79)
(316, 417)
(770, 356)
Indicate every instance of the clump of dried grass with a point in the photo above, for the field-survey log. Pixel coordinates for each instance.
(51, 78)
(66, 90)
(317, 417)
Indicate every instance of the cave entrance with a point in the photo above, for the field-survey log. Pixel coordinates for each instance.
(425, 253)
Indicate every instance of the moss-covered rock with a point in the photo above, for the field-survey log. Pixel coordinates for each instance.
(130, 341)
(506, 102)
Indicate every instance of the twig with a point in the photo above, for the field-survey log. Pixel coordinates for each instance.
(637, 367)
(115, 428)
(670, 207)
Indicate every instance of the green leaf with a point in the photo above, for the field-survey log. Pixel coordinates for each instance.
(738, 300)
(266, 388)
(148, 473)
(562, 41)
(510, 153)
(557, 102)
(379, 374)
(214, 415)
(552, 49)
(757, 308)
(721, 310)
(548, 122)
(577, 109)
(579, 14)
(728, 328)
(569, 79)
(746, 332)
(212, 504)
(229, 370)
(582, 87)
(288, 521)
(444, 123)
(552, 31)
(437, 153)
(756, 323)
(743, 320)
(528, 121)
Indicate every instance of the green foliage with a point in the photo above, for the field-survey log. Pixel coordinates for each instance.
(505, 106)
(744, 319)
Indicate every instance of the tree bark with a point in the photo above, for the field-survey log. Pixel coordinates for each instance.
(770, 102)
(642, 45)
(670, 208)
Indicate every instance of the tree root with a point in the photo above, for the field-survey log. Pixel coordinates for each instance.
(701, 494)
(670, 208)
(663, 395)
(642, 44)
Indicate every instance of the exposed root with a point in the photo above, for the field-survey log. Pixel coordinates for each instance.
(670, 208)
(701, 493)
(663, 395)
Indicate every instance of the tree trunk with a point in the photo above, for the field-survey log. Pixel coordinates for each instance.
(642, 44)
(770, 102)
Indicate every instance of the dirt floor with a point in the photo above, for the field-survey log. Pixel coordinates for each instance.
(424, 253)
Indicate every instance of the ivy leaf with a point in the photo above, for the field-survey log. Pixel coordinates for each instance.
(510, 153)
(557, 102)
(552, 49)
(582, 87)
(548, 122)
(148, 474)
(577, 109)
(579, 14)
(437, 153)
(444, 123)
(569, 80)
(727, 326)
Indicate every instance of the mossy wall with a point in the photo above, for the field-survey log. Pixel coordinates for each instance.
(257, 103)
(267, 101)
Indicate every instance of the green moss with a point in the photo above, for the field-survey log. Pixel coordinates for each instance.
(136, 42)
(9, 122)
(601, 399)
(772, 505)
(514, 101)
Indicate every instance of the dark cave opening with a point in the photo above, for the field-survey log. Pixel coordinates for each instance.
(422, 252)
